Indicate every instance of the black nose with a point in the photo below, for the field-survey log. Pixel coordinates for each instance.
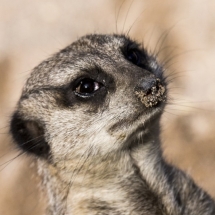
(147, 85)
(150, 91)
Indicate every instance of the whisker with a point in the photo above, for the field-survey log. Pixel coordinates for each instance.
(134, 22)
(162, 38)
(117, 16)
(127, 15)
(5, 164)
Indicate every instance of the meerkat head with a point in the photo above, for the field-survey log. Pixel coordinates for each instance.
(95, 95)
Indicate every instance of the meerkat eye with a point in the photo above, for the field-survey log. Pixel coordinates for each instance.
(133, 56)
(87, 86)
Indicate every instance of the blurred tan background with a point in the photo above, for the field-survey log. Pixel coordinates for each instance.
(183, 32)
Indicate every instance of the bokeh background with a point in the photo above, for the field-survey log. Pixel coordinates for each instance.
(181, 32)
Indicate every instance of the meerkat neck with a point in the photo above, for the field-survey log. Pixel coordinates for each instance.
(67, 187)
(70, 184)
(63, 186)
(152, 167)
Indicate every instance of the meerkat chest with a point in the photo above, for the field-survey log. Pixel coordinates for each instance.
(129, 196)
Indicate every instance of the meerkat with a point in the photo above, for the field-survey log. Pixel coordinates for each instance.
(90, 116)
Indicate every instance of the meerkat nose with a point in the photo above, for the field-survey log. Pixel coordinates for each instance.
(147, 85)
(151, 91)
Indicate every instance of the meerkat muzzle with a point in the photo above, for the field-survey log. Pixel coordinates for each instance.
(151, 94)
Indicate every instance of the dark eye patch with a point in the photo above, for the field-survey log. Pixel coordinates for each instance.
(135, 55)
(89, 88)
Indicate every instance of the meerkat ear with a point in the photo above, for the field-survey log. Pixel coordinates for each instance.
(29, 135)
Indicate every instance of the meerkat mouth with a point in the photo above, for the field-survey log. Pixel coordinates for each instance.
(142, 127)
(138, 125)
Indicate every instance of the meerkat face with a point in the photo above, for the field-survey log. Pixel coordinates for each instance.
(93, 96)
